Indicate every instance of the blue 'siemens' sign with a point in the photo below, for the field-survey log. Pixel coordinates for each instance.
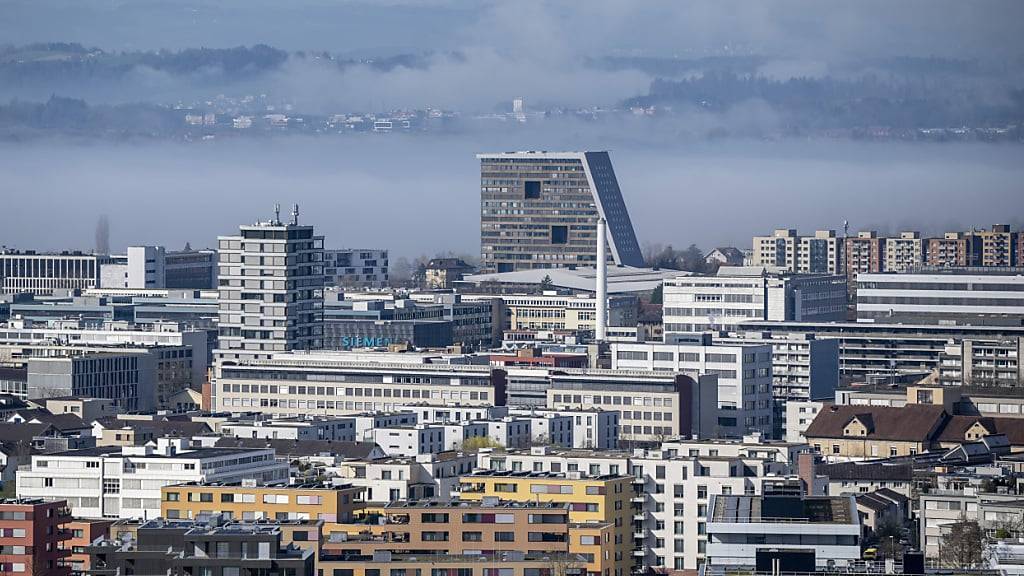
(364, 342)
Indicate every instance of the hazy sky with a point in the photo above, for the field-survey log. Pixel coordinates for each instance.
(419, 195)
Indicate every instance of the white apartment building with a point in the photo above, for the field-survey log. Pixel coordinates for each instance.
(674, 483)
(905, 252)
(456, 434)
(271, 290)
(595, 428)
(740, 525)
(510, 432)
(403, 478)
(736, 294)
(409, 440)
(553, 429)
(799, 415)
(356, 268)
(650, 406)
(456, 413)
(125, 482)
(744, 377)
(818, 254)
(333, 429)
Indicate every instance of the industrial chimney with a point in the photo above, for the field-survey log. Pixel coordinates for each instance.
(602, 283)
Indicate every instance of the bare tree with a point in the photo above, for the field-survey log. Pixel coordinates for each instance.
(565, 564)
(963, 545)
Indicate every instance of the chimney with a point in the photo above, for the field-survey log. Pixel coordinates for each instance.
(602, 283)
(806, 471)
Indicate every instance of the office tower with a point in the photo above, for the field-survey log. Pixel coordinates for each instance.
(271, 289)
(905, 252)
(356, 268)
(540, 210)
(954, 249)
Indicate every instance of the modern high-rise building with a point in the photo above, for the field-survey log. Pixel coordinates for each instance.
(356, 268)
(271, 290)
(540, 210)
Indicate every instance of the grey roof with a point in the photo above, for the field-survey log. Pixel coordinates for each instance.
(621, 279)
(300, 448)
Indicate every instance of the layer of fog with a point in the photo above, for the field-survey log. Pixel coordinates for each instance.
(420, 195)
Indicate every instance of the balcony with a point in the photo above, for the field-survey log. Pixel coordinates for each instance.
(639, 517)
(639, 499)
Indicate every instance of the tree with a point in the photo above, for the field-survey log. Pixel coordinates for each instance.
(693, 259)
(963, 545)
(565, 564)
(889, 533)
(657, 295)
(476, 443)
(546, 283)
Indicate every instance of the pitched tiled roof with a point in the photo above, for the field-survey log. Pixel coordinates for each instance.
(912, 423)
(956, 428)
(868, 471)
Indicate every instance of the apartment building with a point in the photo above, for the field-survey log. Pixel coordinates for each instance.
(125, 482)
(672, 483)
(863, 432)
(356, 268)
(162, 546)
(43, 273)
(332, 384)
(998, 246)
(785, 249)
(864, 252)
(409, 440)
(868, 349)
(438, 528)
(601, 503)
(247, 501)
(744, 377)
(596, 428)
(541, 210)
(983, 363)
(953, 250)
(32, 537)
(738, 294)
(394, 478)
(84, 531)
(653, 406)
(334, 429)
(933, 296)
(905, 252)
(742, 527)
(271, 282)
(513, 563)
(803, 367)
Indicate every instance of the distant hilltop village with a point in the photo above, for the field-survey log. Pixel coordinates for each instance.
(562, 406)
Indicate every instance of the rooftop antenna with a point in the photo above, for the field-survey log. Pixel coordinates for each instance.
(277, 214)
(295, 214)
